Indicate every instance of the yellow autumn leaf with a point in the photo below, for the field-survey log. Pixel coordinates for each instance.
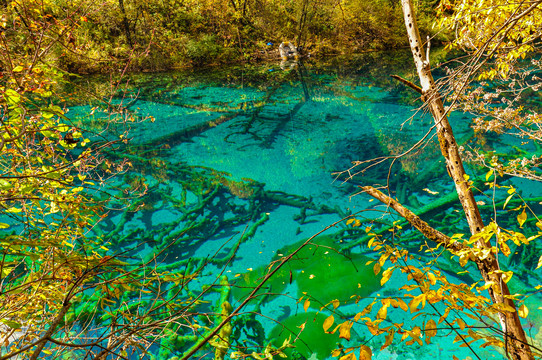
(507, 200)
(492, 342)
(430, 331)
(382, 313)
(365, 353)
(367, 309)
(402, 304)
(306, 304)
(507, 275)
(415, 302)
(445, 315)
(386, 275)
(432, 278)
(505, 249)
(475, 335)
(350, 356)
(415, 334)
(328, 322)
(523, 311)
(389, 339)
(489, 174)
(430, 191)
(522, 218)
(376, 268)
(502, 307)
(373, 328)
(539, 262)
(357, 317)
(344, 330)
(335, 303)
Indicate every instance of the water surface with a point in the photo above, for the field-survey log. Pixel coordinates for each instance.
(260, 158)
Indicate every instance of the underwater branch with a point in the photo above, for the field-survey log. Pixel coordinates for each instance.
(227, 318)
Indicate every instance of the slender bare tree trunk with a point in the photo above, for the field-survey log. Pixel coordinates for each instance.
(515, 340)
(126, 24)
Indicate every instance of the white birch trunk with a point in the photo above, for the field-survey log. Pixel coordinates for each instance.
(515, 340)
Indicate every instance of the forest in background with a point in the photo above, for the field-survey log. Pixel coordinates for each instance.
(157, 35)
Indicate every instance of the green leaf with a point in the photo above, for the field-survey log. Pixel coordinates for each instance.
(56, 109)
(12, 97)
(6, 271)
(11, 324)
(4, 184)
(47, 114)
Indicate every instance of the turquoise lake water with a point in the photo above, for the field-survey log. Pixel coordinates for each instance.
(261, 158)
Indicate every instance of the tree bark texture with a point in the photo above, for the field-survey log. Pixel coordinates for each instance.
(515, 340)
(414, 220)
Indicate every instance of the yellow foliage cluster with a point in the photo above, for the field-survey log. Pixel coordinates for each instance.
(428, 285)
(503, 30)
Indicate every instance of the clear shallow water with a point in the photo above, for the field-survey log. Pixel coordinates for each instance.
(255, 158)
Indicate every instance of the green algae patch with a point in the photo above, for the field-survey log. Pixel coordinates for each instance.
(305, 331)
(325, 274)
(320, 271)
(245, 283)
(335, 276)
